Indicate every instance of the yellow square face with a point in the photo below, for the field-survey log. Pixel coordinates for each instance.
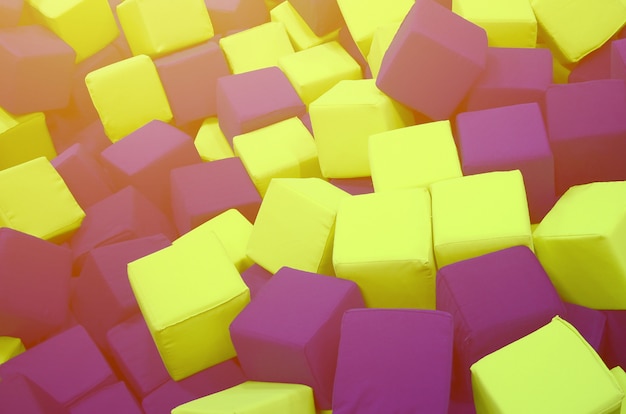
(23, 138)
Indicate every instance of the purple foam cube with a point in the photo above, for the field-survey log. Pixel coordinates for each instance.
(617, 59)
(394, 361)
(115, 398)
(591, 323)
(255, 277)
(18, 394)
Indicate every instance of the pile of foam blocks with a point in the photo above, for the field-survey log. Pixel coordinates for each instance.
(312, 206)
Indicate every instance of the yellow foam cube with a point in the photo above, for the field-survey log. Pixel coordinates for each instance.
(478, 214)
(35, 200)
(295, 226)
(383, 242)
(189, 293)
(285, 149)
(573, 29)
(254, 397)
(552, 370)
(159, 27)
(414, 156)
(344, 117)
(581, 243)
(210, 141)
(508, 24)
(314, 71)
(127, 95)
(381, 39)
(23, 138)
(86, 25)
(256, 48)
(301, 35)
(10, 347)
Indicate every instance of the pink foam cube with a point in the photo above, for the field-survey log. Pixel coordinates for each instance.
(228, 16)
(322, 16)
(19, 394)
(10, 12)
(114, 398)
(594, 66)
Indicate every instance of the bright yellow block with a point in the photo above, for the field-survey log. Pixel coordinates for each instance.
(210, 141)
(158, 27)
(383, 242)
(285, 149)
(381, 39)
(573, 29)
(552, 370)
(86, 25)
(23, 138)
(35, 200)
(508, 23)
(300, 34)
(415, 156)
(343, 119)
(127, 95)
(189, 294)
(581, 243)
(314, 71)
(478, 214)
(9, 348)
(295, 226)
(253, 397)
(256, 48)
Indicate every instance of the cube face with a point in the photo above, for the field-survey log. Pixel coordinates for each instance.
(20, 394)
(112, 398)
(23, 138)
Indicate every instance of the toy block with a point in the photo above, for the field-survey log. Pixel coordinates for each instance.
(383, 243)
(295, 226)
(313, 71)
(579, 236)
(23, 138)
(601, 20)
(496, 298)
(210, 141)
(300, 33)
(115, 398)
(354, 186)
(36, 69)
(478, 214)
(21, 395)
(433, 61)
(511, 76)
(254, 397)
(10, 347)
(101, 295)
(228, 16)
(414, 156)
(189, 78)
(25, 188)
(344, 117)
(290, 332)
(535, 374)
(146, 157)
(384, 354)
(595, 66)
(68, 366)
(323, 17)
(381, 39)
(159, 27)
(618, 59)
(10, 13)
(243, 104)
(205, 296)
(257, 47)
(285, 149)
(509, 138)
(255, 278)
(586, 124)
(127, 95)
(591, 323)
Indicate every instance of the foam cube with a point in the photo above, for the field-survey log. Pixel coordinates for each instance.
(550, 370)
(429, 66)
(618, 59)
(322, 17)
(210, 141)
(285, 149)
(381, 39)
(479, 214)
(414, 156)
(21, 395)
(127, 95)
(300, 33)
(257, 47)
(383, 242)
(188, 316)
(254, 397)
(36, 69)
(11, 12)
(159, 27)
(295, 226)
(387, 354)
(290, 332)
(23, 138)
(591, 323)
(586, 124)
(114, 398)
(228, 16)
(344, 117)
(10, 347)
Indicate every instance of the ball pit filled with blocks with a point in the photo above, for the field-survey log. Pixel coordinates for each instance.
(312, 206)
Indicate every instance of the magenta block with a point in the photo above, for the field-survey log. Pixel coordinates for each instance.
(34, 286)
(322, 16)
(433, 60)
(229, 16)
(290, 332)
(394, 361)
(36, 69)
(251, 100)
(10, 12)
(586, 125)
(255, 277)
(617, 59)
(114, 398)
(591, 323)
(354, 186)
(20, 395)
(510, 138)
(596, 65)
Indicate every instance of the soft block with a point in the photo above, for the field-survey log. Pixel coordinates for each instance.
(300, 33)
(479, 214)
(322, 17)
(617, 59)
(11, 12)
(10, 347)
(21, 395)
(295, 226)
(210, 141)
(386, 354)
(115, 398)
(433, 60)
(290, 332)
(23, 138)
(229, 16)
